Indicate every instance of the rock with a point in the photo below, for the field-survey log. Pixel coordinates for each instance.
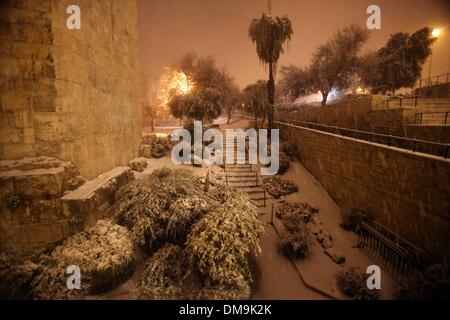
(324, 238)
(145, 150)
(315, 225)
(327, 243)
(335, 255)
(30, 207)
(138, 164)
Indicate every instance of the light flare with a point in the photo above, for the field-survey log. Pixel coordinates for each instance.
(172, 82)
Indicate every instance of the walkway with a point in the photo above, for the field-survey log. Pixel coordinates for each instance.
(278, 278)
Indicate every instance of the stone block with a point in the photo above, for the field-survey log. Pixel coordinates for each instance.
(145, 150)
(89, 201)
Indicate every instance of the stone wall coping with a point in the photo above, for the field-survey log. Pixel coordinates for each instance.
(89, 188)
(34, 172)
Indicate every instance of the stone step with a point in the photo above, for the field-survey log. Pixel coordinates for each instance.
(248, 184)
(251, 189)
(241, 174)
(239, 169)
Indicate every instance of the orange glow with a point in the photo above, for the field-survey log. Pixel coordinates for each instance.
(172, 82)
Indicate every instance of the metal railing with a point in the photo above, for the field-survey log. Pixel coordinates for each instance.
(398, 254)
(431, 81)
(415, 145)
(419, 116)
(402, 102)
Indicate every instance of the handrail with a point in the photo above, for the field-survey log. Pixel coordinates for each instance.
(401, 99)
(430, 147)
(259, 179)
(428, 81)
(446, 113)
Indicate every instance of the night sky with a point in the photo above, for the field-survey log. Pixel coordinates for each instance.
(170, 28)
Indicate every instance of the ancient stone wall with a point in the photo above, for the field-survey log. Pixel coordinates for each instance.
(370, 113)
(437, 91)
(71, 94)
(408, 192)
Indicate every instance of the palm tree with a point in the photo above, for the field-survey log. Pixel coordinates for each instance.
(270, 34)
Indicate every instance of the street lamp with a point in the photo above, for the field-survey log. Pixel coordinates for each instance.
(435, 35)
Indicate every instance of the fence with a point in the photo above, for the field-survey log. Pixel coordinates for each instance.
(435, 148)
(431, 81)
(397, 253)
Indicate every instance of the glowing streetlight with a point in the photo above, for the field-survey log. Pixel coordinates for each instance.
(436, 33)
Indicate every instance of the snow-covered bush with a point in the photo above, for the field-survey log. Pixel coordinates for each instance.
(163, 275)
(104, 253)
(296, 241)
(284, 162)
(302, 209)
(353, 283)
(162, 207)
(278, 187)
(431, 284)
(351, 218)
(221, 243)
(295, 245)
(290, 149)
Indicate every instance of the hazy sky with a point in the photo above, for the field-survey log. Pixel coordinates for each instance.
(170, 28)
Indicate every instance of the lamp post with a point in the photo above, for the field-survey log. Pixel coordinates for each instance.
(434, 34)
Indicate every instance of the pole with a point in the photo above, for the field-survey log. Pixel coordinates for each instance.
(429, 69)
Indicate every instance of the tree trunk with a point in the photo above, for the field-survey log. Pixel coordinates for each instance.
(271, 94)
(230, 109)
(324, 98)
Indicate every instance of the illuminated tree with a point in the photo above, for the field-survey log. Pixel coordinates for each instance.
(333, 65)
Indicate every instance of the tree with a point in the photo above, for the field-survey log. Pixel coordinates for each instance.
(295, 82)
(255, 99)
(334, 62)
(270, 34)
(399, 63)
(200, 104)
(213, 89)
(333, 66)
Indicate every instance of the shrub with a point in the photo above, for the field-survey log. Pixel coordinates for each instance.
(431, 284)
(16, 274)
(304, 210)
(296, 242)
(353, 283)
(290, 149)
(353, 217)
(183, 213)
(278, 187)
(220, 245)
(104, 253)
(160, 147)
(149, 208)
(163, 275)
(284, 163)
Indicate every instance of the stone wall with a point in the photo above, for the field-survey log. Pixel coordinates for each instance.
(369, 113)
(437, 91)
(408, 192)
(70, 94)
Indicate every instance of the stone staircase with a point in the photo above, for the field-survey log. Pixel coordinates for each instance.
(244, 177)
